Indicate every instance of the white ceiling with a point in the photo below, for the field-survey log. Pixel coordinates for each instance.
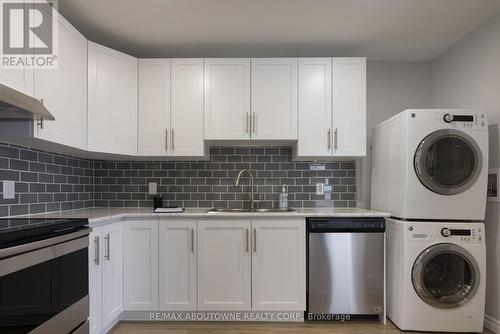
(406, 30)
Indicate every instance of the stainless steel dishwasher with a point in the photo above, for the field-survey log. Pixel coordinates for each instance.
(345, 266)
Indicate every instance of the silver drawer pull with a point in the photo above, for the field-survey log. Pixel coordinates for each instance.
(192, 240)
(106, 252)
(96, 250)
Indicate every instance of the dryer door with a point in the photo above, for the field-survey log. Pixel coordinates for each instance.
(448, 161)
(445, 276)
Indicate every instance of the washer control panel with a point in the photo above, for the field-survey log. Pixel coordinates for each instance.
(456, 233)
(468, 235)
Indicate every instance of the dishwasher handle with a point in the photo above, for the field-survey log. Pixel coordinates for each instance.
(346, 225)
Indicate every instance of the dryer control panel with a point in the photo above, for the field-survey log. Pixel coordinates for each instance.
(462, 121)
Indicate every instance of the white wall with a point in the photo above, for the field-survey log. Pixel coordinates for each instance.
(391, 88)
(467, 75)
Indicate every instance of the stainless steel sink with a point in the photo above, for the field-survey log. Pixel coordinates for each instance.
(227, 210)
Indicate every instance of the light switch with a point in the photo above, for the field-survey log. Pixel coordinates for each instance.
(320, 188)
(153, 188)
(9, 189)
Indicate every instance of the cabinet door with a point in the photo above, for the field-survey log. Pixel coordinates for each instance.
(112, 101)
(224, 272)
(177, 261)
(315, 107)
(278, 265)
(187, 108)
(64, 90)
(154, 107)
(227, 98)
(140, 265)
(112, 283)
(95, 280)
(349, 106)
(274, 98)
(20, 79)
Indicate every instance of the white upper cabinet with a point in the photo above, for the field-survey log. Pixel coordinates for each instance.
(64, 90)
(224, 265)
(274, 98)
(177, 265)
(332, 117)
(154, 107)
(349, 106)
(112, 101)
(315, 107)
(140, 265)
(279, 265)
(19, 79)
(186, 112)
(227, 98)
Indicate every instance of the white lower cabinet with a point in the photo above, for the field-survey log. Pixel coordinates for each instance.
(224, 265)
(105, 276)
(140, 265)
(251, 265)
(95, 280)
(278, 265)
(189, 265)
(177, 265)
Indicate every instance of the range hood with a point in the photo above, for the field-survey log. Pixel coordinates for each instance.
(16, 105)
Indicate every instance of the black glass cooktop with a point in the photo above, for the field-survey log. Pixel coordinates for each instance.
(18, 231)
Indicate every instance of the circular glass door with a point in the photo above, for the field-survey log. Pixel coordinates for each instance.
(448, 161)
(445, 276)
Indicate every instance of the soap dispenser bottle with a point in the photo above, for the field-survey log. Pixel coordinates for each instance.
(284, 198)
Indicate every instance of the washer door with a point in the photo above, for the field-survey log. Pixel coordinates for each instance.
(445, 276)
(448, 161)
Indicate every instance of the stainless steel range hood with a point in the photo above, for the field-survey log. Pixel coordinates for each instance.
(16, 105)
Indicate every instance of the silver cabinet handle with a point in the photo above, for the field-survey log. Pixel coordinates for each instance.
(335, 144)
(96, 250)
(254, 125)
(166, 139)
(329, 137)
(255, 240)
(192, 240)
(247, 237)
(247, 122)
(106, 251)
(173, 136)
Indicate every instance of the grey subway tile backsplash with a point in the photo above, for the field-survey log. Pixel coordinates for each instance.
(44, 181)
(47, 182)
(211, 183)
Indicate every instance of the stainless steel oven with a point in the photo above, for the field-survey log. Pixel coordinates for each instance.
(44, 276)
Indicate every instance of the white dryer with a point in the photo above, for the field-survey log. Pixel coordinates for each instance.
(431, 164)
(436, 275)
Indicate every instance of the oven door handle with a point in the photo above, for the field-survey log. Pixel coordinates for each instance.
(15, 263)
(11, 251)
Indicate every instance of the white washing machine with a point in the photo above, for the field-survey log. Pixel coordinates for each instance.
(436, 275)
(431, 164)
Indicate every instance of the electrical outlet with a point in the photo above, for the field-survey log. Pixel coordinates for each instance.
(9, 189)
(153, 188)
(320, 188)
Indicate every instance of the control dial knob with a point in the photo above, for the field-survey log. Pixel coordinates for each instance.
(448, 118)
(445, 232)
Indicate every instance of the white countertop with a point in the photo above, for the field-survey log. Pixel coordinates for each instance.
(98, 216)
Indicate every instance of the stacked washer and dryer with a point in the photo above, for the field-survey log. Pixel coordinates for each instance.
(429, 170)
